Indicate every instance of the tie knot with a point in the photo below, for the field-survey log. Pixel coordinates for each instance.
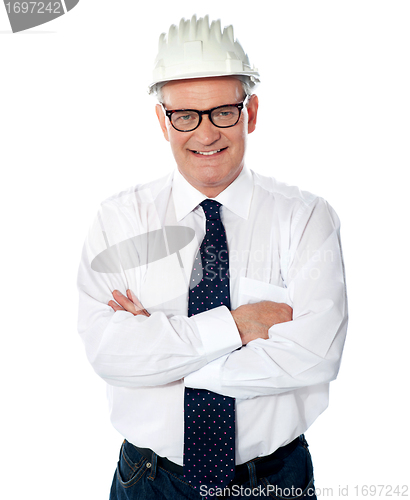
(211, 209)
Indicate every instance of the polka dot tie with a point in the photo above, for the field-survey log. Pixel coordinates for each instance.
(209, 440)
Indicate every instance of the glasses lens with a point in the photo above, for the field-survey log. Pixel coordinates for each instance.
(225, 116)
(185, 120)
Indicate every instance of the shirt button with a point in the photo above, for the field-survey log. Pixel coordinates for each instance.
(148, 465)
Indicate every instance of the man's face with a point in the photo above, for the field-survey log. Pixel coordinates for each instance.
(209, 173)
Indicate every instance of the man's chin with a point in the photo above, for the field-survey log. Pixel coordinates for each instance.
(210, 179)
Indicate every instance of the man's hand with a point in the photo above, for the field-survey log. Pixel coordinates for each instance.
(254, 320)
(128, 303)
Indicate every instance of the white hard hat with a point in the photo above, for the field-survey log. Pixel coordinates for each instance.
(197, 50)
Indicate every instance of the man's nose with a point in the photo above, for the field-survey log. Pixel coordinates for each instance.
(207, 133)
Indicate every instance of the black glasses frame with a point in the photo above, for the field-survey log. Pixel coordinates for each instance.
(208, 112)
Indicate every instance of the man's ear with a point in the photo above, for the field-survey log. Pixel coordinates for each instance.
(252, 108)
(162, 120)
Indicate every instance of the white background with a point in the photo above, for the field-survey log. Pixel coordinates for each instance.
(76, 125)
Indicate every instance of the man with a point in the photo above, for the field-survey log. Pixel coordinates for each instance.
(214, 290)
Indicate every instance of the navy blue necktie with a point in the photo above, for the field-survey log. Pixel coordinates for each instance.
(209, 440)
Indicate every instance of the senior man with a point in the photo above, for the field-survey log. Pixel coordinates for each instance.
(212, 301)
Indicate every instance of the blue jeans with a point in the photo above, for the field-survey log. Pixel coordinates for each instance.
(138, 478)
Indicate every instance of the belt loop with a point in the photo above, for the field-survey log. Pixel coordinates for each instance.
(303, 440)
(152, 466)
(252, 474)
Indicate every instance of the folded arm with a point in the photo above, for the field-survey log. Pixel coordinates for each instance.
(135, 350)
(253, 320)
(307, 350)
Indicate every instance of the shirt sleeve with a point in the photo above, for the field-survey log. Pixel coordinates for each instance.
(307, 350)
(130, 351)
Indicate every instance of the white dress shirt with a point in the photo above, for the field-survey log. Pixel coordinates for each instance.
(284, 246)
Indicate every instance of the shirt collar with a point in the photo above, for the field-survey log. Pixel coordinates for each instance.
(236, 197)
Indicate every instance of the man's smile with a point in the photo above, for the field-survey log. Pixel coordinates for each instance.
(208, 153)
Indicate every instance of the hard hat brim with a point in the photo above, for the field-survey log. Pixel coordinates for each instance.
(252, 77)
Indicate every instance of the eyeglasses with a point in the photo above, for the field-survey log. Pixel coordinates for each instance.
(187, 120)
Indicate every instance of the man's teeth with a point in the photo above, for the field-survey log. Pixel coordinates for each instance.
(208, 153)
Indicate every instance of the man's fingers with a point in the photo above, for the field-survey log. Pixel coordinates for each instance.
(115, 306)
(126, 304)
(131, 295)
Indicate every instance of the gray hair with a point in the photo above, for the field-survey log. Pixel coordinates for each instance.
(246, 87)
